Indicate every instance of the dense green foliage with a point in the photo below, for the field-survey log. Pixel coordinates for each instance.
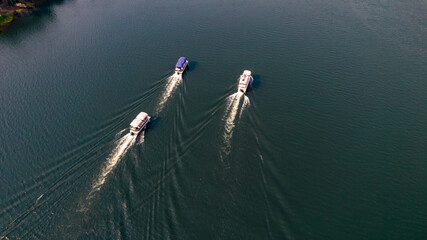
(6, 19)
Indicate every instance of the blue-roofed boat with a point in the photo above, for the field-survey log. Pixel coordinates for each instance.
(181, 65)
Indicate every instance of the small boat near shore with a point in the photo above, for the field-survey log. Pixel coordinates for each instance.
(181, 65)
(139, 123)
(244, 81)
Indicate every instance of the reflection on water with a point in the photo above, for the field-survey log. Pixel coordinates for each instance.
(29, 23)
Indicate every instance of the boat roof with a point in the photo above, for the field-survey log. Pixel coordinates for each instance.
(181, 62)
(135, 123)
(142, 115)
(247, 72)
(140, 118)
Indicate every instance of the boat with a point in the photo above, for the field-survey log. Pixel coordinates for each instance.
(244, 81)
(181, 65)
(139, 123)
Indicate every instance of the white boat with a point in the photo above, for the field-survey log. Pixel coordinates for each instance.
(244, 81)
(181, 65)
(139, 123)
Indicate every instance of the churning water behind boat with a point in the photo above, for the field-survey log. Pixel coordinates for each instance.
(172, 83)
(121, 147)
(230, 114)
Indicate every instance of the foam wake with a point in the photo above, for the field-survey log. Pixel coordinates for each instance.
(121, 147)
(231, 112)
(172, 83)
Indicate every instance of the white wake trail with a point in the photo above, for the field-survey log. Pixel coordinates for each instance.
(172, 83)
(230, 119)
(121, 147)
(246, 103)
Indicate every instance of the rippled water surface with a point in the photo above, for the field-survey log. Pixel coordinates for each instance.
(329, 142)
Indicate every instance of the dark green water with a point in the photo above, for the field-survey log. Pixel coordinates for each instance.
(331, 146)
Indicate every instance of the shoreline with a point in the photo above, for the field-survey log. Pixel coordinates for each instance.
(9, 13)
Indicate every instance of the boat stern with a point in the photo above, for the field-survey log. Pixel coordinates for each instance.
(179, 70)
(181, 65)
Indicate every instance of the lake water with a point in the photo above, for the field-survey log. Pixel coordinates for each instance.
(329, 143)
